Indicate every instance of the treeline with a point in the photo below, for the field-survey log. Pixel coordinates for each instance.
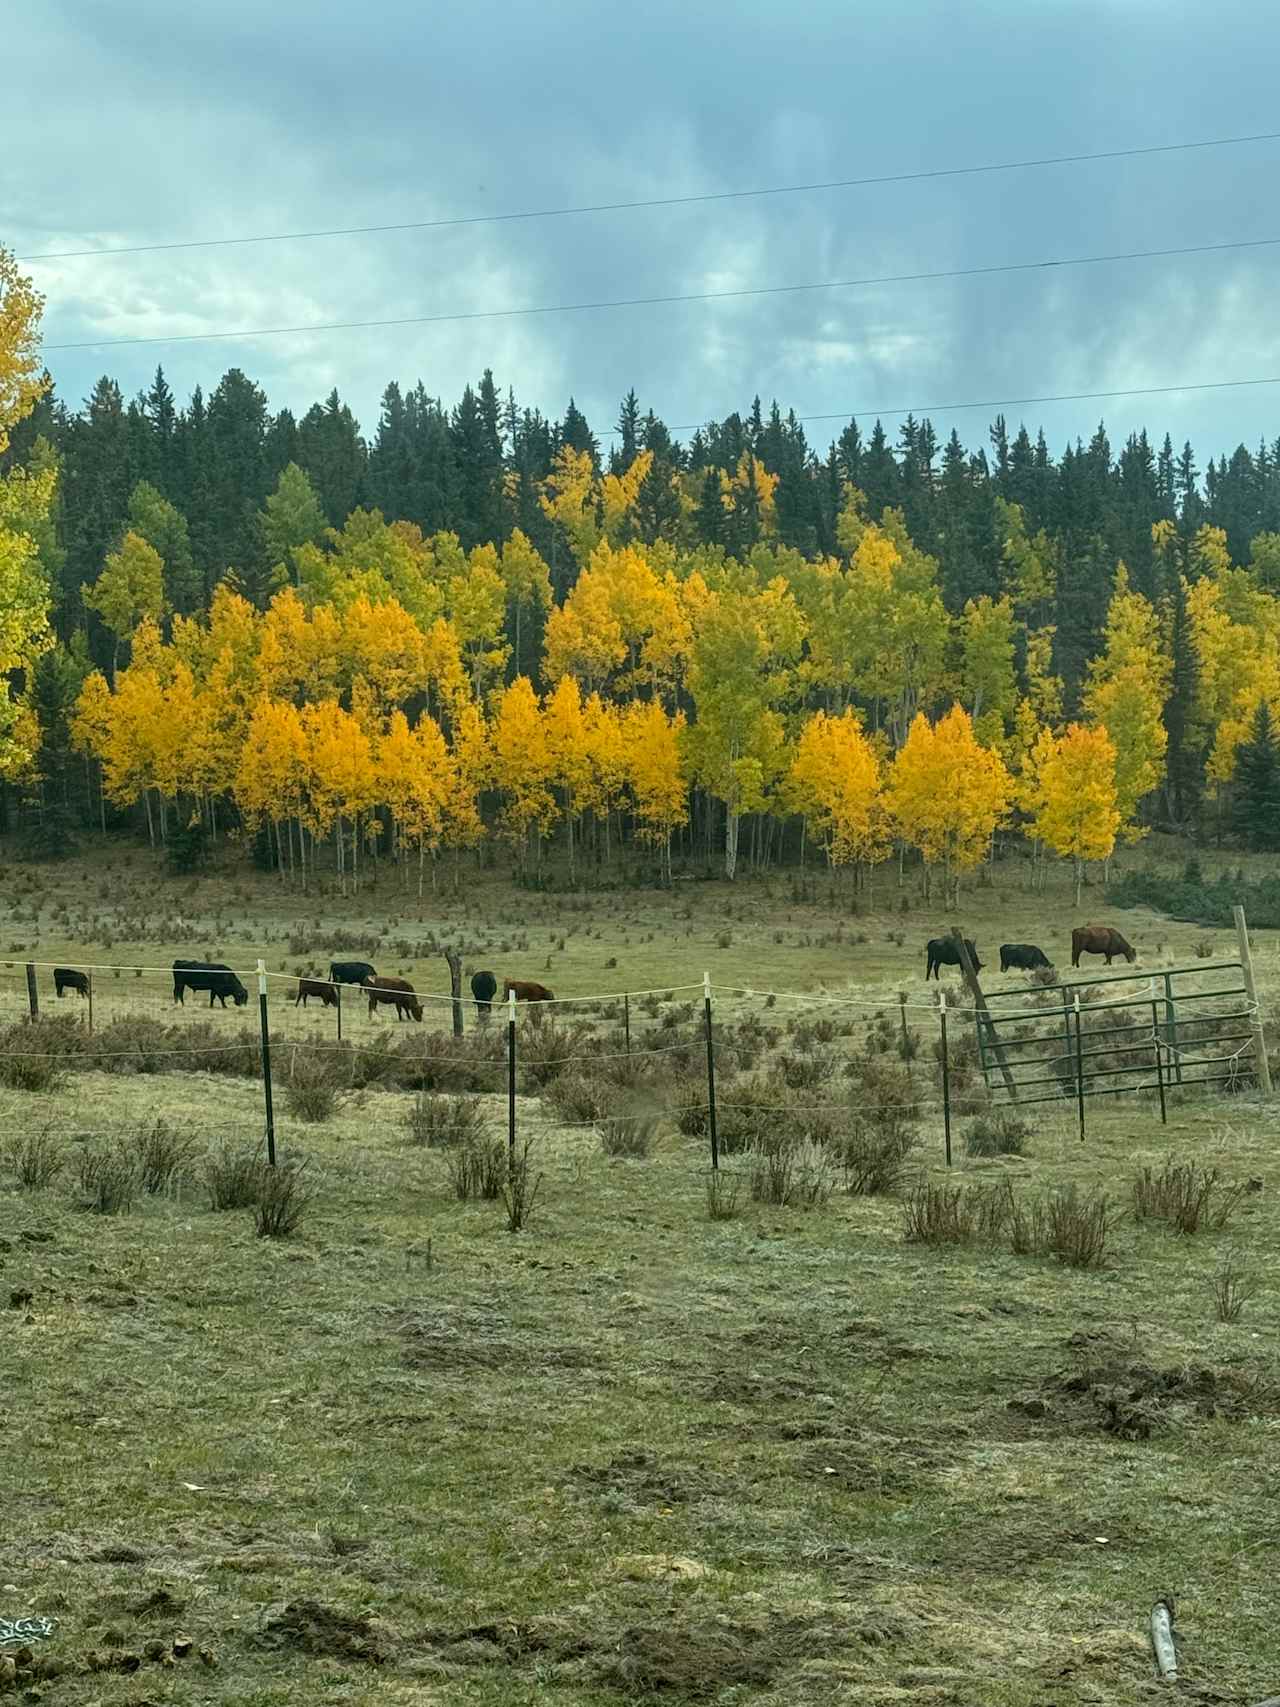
(478, 623)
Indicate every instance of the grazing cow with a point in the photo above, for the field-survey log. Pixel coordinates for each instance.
(525, 992)
(308, 987)
(1024, 956)
(1099, 939)
(211, 975)
(484, 987)
(351, 971)
(67, 978)
(943, 952)
(399, 992)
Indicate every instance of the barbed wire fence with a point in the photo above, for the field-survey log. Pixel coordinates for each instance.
(709, 1039)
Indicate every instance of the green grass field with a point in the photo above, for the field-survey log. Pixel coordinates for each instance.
(631, 1453)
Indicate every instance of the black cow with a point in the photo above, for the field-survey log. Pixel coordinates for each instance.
(943, 952)
(211, 975)
(351, 971)
(1023, 956)
(308, 987)
(484, 987)
(67, 978)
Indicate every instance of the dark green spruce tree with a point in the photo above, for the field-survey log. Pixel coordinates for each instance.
(1256, 789)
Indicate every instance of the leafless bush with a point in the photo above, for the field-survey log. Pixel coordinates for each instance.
(36, 1159)
(1204, 949)
(807, 1069)
(25, 1065)
(109, 1177)
(997, 1134)
(938, 1215)
(520, 1188)
(1078, 1228)
(1185, 1196)
(439, 1121)
(163, 1155)
(874, 1157)
(477, 1168)
(232, 1173)
(1233, 1287)
(628, 1134)
(284, 1194)
(548, 1047)
(722, 1195)
(579, 1098)
(311, 1089)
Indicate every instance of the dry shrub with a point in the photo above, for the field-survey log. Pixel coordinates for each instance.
(1078, 1227)
(283, 1197)
(477, 1168)
(26, 1061)
(311, 1089)
(440, 1121)
(580, 1098)
(520, 1187)
(874, 1157)
(629, 1135)
(164, 1155)
(939, 1214)
(439, 1061)
(36, 1159)
(232, 1174)
(1185, 1196)
(545, 1048)
(807, 1069)
(1233, 1287)
(998, 1133)
(722, 1195)
(109, 1176)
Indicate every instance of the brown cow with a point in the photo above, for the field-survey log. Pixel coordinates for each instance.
(525, 992)
(398, 992)
(320, 989)
(1099, 939)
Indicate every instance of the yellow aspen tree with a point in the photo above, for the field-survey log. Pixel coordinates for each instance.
(618, 494)
(26, 499)
(471, 758)
(946, 794)
(835, 782)
(986, 646)
(656, 775)
(23, 380)
(416, 776)
(570, 497)
(384, 645)
(522, 768)
(1075, 795)
(341, 779)
(583, 636)
(1127, 689)
(130, 587)
(602, 733)
(568, 755)
(477, 610)
(270, 786)
(528, 588)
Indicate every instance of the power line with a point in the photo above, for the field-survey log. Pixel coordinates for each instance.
(659, 201)
(923, 409)
(675, 298)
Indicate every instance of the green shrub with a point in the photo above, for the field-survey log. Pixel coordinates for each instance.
(283, 1196)
(437, 1121)
(36, 1159)
(997, 1133)
(163, 1156)
(109, 1176)
(232, 1174)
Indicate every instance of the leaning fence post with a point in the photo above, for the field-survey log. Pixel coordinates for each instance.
(1079, 1067)
(33, 995)
(511, 1082)
(266, 1063)
(946, 1075)
(1255, 1018)
(711, 1072)
(1155, 1040)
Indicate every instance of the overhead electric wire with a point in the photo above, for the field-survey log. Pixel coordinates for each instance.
(674, 298)
(658, 201)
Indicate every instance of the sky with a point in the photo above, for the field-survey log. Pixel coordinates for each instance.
(141, 122)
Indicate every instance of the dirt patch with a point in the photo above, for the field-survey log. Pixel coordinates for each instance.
(638, 1480)
(310, 1627)
(466, 1339)
(1112, 1392)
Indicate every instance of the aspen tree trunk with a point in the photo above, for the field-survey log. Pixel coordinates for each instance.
(151, 829)
(730, 843)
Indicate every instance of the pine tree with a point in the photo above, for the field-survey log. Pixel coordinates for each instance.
(1256, 811)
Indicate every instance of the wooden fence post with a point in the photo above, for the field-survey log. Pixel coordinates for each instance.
(1155, 1039)
(455, 986)
(1079, 1068)
(33, 995)
(1171, 1027)
(1255, 1018)
(982, 1015)
(337, 990)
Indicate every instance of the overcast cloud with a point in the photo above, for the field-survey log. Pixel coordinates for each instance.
(140, 121)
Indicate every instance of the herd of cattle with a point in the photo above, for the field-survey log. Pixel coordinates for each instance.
(221, 982)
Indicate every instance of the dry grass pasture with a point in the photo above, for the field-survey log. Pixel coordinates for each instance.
(633, 1452)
